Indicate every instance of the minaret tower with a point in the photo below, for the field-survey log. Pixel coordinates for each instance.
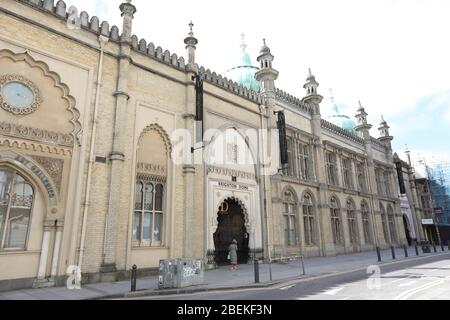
(362, 127)
(266, 75)
(385, 137)
(243, 44)
(191, 43)
(311, 86)
(117, 156)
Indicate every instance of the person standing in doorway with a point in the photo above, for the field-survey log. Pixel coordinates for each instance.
(232, 249)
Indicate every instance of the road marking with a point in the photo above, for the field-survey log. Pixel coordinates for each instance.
(288, 287)
(422, 289)
(406, 294)
(407, 283)
(398, 280)
(334, 291)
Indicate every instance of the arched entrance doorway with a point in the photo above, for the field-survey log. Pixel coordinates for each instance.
(407, 231)
(231, 226)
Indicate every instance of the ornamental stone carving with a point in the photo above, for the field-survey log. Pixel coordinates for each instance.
(54, 168)
(36, 134)
(151, 169)
(230, 172)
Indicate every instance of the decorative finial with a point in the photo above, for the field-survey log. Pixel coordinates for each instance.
(331, 95)
(191, 33)
(128, 1)
(243, 44)
(310, 73)
(382, 119)
(264, 41)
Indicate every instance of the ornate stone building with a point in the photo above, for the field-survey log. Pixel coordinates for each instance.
(93, 124)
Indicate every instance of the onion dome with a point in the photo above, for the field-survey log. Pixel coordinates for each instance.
(244, 71)
(333, 115)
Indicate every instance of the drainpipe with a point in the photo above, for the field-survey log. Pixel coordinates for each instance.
(103, 41)
(264, 177)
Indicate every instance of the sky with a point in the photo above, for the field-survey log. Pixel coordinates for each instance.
(392, 55)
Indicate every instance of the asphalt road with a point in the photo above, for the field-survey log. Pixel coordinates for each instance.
(424, 279)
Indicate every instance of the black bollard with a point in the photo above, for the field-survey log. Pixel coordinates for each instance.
(442, 247)
(406, 251)
(417, 249)
(393, 252)
(379, 254)
(434, 247)
(448, 243)
(256, 262)
(133, 278)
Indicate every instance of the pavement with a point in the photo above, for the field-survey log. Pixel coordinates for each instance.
(222, 278)
(426, 278)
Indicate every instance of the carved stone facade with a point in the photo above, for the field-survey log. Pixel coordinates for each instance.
(104, 140)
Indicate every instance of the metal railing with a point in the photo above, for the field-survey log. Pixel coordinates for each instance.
(286, 260)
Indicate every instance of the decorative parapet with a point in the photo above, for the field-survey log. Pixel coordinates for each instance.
(93, 24)
(230, 85)
(341, 132)
(296, 102)
(378, 144)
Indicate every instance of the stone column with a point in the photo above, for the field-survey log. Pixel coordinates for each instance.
(56, 250)
(189, 174)
(189, 169)
(117, 156)
(414, 206)
(323, 214)
(372, 190)
(41, 280)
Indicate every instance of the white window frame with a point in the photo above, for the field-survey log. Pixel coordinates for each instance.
(153, 212)
(5, 228)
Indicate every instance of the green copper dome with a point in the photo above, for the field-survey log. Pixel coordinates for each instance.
(332, 114)
(244, 71)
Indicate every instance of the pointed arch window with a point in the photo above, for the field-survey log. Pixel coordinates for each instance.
(391, 222)
(336, 227)
(148, 213)
(291, 157)
(309, 220)
(365, 216)
(331, 162)
(16, 203)
(384, 223)
(305, 162)
(290, 219)
(347, 173)
(361, 175)
(352, 222)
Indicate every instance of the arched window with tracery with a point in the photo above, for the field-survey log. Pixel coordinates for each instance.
(365, 216)
(336, 227)
(290, 219)
(148, 212)
(352, 222)
(384, 223)
(309, 220)
(150, 188)
(391, 222)
(16, 203)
